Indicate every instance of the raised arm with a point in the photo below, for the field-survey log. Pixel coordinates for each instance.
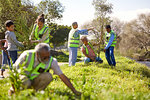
(82, 32)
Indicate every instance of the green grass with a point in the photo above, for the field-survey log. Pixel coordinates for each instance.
(128, 81)
(65, 58)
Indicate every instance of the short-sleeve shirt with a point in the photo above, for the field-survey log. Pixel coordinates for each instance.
(54, 66)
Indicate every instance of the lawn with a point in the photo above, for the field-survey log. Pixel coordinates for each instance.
(127, 81)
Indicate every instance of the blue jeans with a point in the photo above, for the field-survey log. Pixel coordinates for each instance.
(87, 60)
(72, 55)
(5, 60)
(13, 55)
(110, 56)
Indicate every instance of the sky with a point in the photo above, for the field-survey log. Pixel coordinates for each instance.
(83, 11)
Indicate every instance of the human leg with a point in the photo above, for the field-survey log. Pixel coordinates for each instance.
(87, 60)
(112, 56)
(42, 81)
(13, 55)
(4, 62)
(72, 56)
(98, 59)
(107, 54)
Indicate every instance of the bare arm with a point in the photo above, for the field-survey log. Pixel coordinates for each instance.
(90, 29)
(68, 83)
(84, 52)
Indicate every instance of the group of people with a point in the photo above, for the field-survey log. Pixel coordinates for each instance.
(87, 47)
(39, 61)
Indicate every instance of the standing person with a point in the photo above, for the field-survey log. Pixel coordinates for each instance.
(73, 42)
(40, 32)
(5, 58)
(12, 41)
(110, 42)
(88, 51)
(37, 64)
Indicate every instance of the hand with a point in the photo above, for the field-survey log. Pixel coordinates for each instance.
(77, 93)
(91, 28)
(104, 50)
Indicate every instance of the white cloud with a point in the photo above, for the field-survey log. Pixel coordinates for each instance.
(129, 15)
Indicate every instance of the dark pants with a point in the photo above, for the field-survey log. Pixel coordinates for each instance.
(87, 60)
(13, 55)
(110, 56)
(5, 60)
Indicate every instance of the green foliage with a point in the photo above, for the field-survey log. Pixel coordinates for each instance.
(23, 32)
(127, 81)
(14, 9)
(65, 58)
(23, 13)
(15, 78)
(53, 9)
(59, 34)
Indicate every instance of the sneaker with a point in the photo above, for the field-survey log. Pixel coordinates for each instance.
(2, 77)
(100, 61)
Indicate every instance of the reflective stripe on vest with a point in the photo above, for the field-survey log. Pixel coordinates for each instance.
(87, 52)
(38, 35)
(107, 37)
(33, 73)
(73, 42)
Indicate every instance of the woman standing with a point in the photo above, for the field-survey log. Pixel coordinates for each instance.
(40, 32)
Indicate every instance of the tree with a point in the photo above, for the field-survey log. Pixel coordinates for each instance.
(12, 9)
(59, 34)
(117, 26)
(136, 36)
(52, 9)
(102, 9)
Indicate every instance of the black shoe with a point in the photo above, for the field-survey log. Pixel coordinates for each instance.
(100, 61)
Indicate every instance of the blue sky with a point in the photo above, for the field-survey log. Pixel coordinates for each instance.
(83, 11)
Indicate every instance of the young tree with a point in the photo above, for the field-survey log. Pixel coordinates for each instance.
(53, 9)
(102, 9)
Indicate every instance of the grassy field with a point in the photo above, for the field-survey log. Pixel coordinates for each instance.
(127, 81)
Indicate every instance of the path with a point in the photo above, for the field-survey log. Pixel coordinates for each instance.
(62, 63)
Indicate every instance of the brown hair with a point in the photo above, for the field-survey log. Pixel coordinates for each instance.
(41, 18)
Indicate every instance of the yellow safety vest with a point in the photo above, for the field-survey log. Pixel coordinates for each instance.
(87, 52)
(73, 42)
(38, 35)
(107, 37)
(33, 72)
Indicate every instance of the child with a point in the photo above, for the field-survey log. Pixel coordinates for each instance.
(12, 41)
(5, 59)
(88, 51)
